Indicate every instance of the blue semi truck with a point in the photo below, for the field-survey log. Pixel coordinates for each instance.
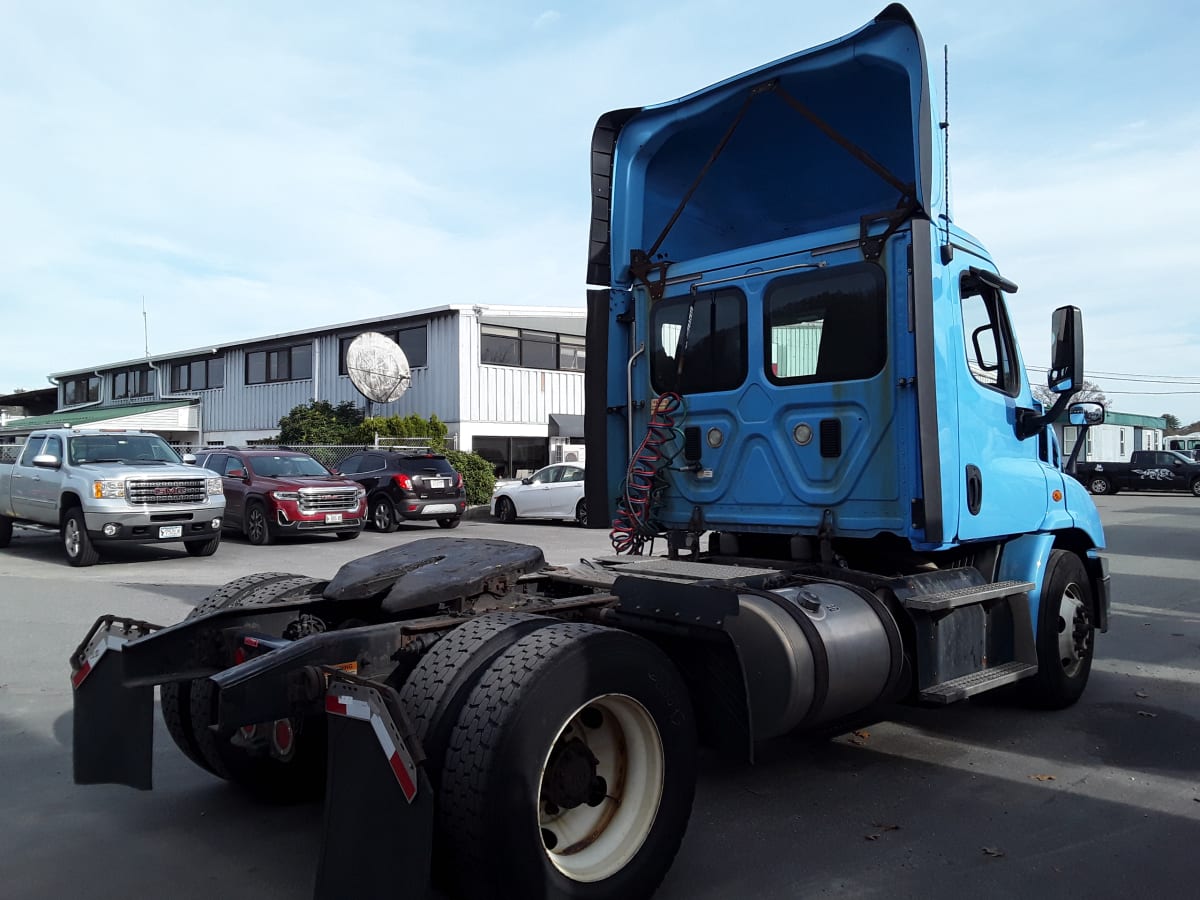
(805, 388)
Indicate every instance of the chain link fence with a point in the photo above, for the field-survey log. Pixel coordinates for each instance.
(329, 455)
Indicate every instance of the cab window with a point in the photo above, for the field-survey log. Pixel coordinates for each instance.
(987, 338)
(698, 342)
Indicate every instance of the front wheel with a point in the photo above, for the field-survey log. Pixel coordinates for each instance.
(78, 546)
(581, 514)
(505, 511)
(1099, 485)
(593, 792)
(1196, 487)
(258, 529)
(1065, 636)
(203, 548)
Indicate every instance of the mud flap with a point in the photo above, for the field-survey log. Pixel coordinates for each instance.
(113, 739)
(377, 836)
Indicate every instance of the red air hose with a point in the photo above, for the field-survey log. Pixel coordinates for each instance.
(632, 526)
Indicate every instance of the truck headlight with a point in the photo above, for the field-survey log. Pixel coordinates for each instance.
(109, 489)
(286, 495)
(214, 487)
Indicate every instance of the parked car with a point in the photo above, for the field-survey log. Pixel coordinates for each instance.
(407, 486)
(1147, 470)
(270, 493)
(555, 492)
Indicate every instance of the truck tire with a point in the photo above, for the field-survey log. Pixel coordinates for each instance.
(302, 774)
(202, 548)
(6, 530)
(258, 525)
(435, 691)
(78, 546)
(175, 696)
(1065, 636)
(1098, 484)
(589, 731)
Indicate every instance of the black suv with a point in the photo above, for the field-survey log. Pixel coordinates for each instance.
(403, 484)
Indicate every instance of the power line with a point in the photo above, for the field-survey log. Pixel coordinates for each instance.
(1129, 376)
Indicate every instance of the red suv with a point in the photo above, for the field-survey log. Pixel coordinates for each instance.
(269, 493)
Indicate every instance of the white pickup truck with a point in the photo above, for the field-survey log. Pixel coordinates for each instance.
(98, 487)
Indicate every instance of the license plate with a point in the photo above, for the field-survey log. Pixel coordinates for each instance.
(170, 531)
(437, 482)
(332, 518)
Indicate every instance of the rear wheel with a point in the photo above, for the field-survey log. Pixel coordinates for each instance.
(78, 546)
(176, 695)
(203, 548)
(278, 761)
(581, 513)
(1196, 487)
(258, 528)
(1065, 636)
(449, 522)
(578, 746)
(383, 515)
(6, 530)
(1099, 485)
(505, 511)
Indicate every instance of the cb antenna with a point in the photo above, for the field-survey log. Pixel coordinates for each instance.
(947, 248)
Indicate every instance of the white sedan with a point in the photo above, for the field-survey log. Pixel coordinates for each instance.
(555, 492)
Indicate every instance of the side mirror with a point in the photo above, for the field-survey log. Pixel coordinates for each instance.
(1066, 351)
(189, 459)
(526, 481)
(1086, 413)
(236, 473)
(47, 461)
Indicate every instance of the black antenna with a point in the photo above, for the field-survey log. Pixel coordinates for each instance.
(947, 248)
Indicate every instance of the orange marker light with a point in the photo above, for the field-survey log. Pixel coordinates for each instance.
(1057, 495)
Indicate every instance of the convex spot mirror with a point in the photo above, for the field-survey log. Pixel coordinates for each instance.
(1066, 351)
(1086, 413)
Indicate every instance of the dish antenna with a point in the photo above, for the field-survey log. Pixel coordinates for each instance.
(378, 368)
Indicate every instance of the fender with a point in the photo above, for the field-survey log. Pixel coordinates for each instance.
(1024, 558)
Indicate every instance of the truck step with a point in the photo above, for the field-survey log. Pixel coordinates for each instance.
(976, 682)
(967, 596)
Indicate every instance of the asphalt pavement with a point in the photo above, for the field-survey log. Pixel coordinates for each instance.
(980, 799)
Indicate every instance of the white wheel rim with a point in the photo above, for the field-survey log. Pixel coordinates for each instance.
(590, 843)
(72, 535)
(1070, 609)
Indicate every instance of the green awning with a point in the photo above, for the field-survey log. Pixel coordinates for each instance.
(74, 418)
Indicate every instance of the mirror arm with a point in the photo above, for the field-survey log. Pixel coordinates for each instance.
(1030, 423)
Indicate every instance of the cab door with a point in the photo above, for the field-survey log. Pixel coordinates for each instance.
(23, 484)
(46, 484)
(1003, 487)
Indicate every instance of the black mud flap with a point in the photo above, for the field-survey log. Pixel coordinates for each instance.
(113, 740)
(377, 838)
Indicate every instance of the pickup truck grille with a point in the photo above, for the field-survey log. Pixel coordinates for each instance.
(180, 490)
(313, 500)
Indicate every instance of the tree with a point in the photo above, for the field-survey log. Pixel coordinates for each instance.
(320, 422)
(433, 428)
(1172, 422)
(1089, 392)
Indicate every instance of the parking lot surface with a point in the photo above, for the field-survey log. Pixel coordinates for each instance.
(981, 799)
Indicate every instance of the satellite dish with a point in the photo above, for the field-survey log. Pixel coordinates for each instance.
(378, 367)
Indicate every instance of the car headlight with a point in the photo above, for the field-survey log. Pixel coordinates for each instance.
(214, 487)
(109, 489)
(359, 493)
(286, 495)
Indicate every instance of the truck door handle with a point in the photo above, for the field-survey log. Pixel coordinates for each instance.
(974, 490)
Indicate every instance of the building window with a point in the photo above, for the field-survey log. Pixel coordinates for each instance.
(1121, 431)
(512, 457)
(85, 389)
(132, 383)
(531, 349)
(198, 374)
(413, 340)
(280, 364)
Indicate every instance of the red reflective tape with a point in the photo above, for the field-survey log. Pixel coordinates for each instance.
(250, 642)
(402, 776)
(81, 673)
(334, 705)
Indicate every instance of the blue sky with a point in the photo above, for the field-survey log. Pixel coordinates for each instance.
(255, 168)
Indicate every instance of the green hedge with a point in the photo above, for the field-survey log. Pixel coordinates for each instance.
(478, 475)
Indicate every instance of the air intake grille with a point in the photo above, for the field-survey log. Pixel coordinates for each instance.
(831, 437)
(152, 492)
(327, 499)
